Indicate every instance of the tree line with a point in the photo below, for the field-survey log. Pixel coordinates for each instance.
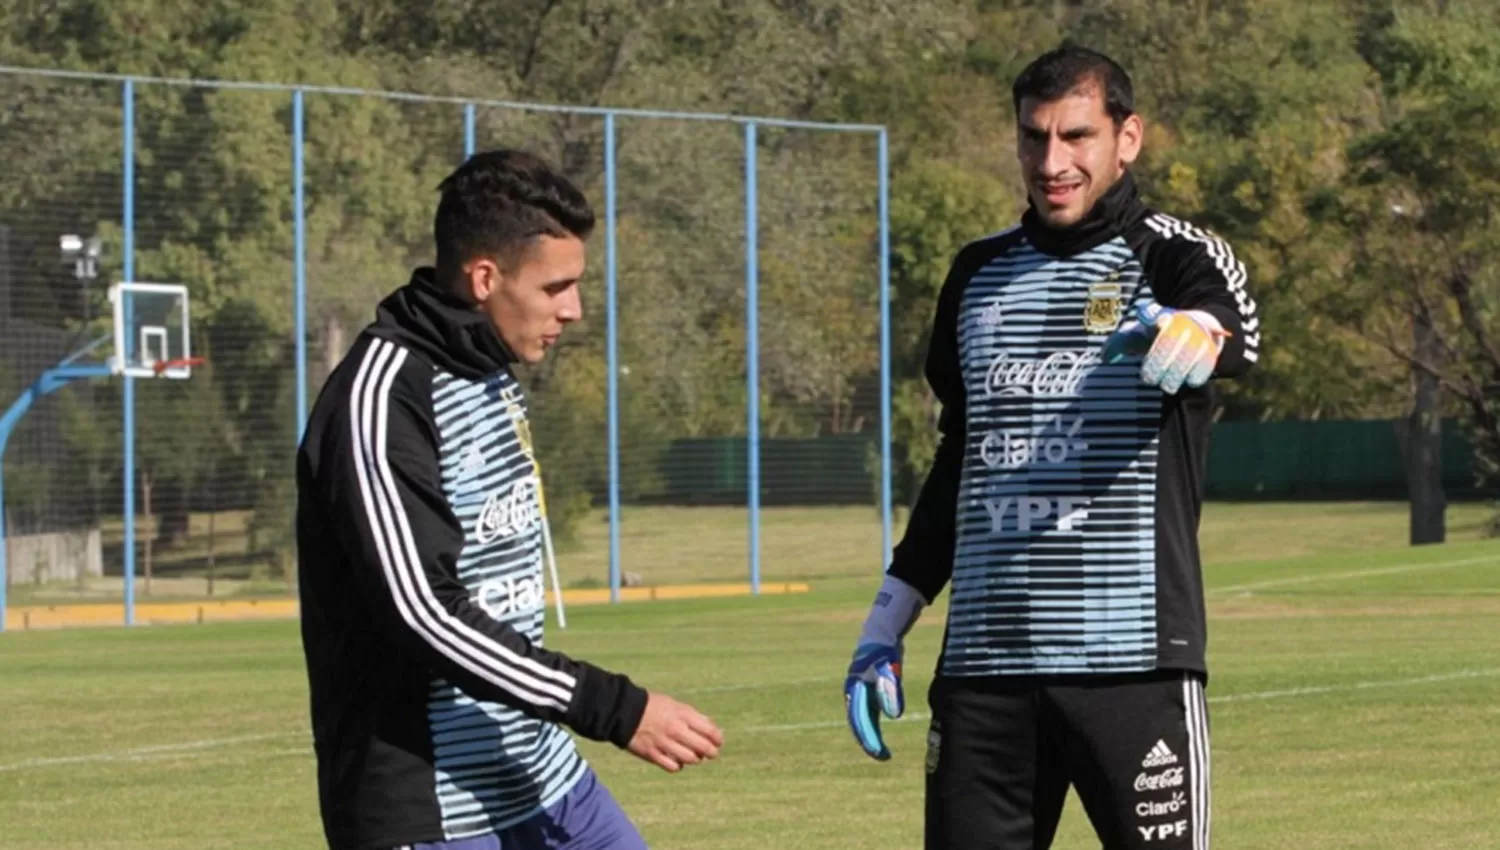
(1344, 149)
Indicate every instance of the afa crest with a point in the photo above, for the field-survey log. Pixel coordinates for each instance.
(1105, 306)
(523, 430)
(518, 421)
(934, 746)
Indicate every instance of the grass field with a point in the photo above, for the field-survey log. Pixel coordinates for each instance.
(838, 545)
(1355, 695)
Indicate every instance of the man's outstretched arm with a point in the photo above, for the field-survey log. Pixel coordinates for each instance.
(1208, 277)
(1202, 324)
(381, 476)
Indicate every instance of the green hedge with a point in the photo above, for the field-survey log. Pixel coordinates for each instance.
(817, 470)
(1247, 461)
(1325, 460)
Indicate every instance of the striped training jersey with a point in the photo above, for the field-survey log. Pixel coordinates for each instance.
(495, 764)
(1063, 504)
(437, 712)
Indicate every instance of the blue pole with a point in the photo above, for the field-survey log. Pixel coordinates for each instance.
(752, 351)
(299, 215)
(469, 130)
(7, 425)
(128, 226)
(5, 430)
(50, 381)
(4, 567)
(613, 365)
(885, 350)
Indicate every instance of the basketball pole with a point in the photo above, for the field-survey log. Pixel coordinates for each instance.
(50, 381)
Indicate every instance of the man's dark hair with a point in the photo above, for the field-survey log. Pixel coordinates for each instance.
(497, 203)
(1059, 72)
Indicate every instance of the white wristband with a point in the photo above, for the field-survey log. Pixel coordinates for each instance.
(896, 609)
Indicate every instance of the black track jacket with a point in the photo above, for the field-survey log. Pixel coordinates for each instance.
(436, 712)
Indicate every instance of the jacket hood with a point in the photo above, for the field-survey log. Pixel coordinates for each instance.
(449, 333)
(1116, 211)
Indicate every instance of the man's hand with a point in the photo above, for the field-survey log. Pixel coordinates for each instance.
(872, 685)
(673, 735)
(1176, 346)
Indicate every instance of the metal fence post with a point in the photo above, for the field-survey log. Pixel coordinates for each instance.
(128, 426)
(752, 350)
(4, 534)
(299, 215)
(613, 362)
(468, 130)
(885, 350)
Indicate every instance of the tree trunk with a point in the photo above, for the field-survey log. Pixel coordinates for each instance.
(1424, 452)
(838, 387)
(175, 522)
(333, 344)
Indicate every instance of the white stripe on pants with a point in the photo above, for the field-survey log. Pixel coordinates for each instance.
(1196, 707)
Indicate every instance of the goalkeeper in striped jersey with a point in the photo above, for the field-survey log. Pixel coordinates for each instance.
(1075, 357)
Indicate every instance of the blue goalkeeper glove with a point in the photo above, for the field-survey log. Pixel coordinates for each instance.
(873, 684)
(1176, 347)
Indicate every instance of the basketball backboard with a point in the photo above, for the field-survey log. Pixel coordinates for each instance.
(151, 336)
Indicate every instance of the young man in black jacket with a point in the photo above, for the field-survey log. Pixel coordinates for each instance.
(1073, 357)
(438, 717)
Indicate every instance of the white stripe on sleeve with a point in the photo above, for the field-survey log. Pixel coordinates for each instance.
(476, 652)
(1227, 264)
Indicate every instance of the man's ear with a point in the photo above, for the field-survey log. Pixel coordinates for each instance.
(1132, 132)
(483, 277)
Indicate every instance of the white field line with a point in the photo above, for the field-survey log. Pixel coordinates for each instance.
(836, 680)
(146, 752)
(1377, 571)
(1256, 695)
(170, 750)
(195, 749)
(1359, 686)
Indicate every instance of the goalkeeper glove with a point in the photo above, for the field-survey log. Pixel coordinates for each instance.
(1176, 346)
(873, 683)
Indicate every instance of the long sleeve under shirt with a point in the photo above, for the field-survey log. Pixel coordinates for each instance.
(436, 712)
(1063, 502)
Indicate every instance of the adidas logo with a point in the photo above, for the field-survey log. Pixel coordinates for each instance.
(1160, 756)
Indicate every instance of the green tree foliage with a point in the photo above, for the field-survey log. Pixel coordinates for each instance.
(1421, 207)
(1289, 128)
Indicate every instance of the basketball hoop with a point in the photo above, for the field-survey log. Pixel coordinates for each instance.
(176, 364)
